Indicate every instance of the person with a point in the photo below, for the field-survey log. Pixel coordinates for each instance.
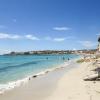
(47, 58)
(68, 59)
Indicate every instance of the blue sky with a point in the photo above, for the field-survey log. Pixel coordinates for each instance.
(48, 24)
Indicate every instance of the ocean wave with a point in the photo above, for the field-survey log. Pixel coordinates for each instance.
(6, 68)
(18, 66)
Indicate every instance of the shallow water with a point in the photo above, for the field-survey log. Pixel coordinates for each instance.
(13, 68)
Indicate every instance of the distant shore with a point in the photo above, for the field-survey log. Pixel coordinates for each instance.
(92, 51)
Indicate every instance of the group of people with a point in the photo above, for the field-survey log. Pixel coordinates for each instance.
(62, 58)
(67, 59)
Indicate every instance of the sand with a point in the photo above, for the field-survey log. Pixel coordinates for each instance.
(61, 84)
(72, 86)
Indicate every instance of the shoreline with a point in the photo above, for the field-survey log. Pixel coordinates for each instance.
(60, 84)
(39, 83)
(73, 87)
(11, 85)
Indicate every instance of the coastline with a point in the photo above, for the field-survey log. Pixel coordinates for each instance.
(59, 84)
(18, 83)
(64, 83)
(54, 75)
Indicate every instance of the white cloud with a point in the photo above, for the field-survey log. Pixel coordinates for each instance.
(88, 44)
(59, 39)
(31, 37)
(15, 37)
(3, 35)
(61, 28)
(8, 36)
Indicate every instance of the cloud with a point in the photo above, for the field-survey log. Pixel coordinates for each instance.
(4, 36)
(87, 44)
(31, 37)
(59, 39)
(64, 38)
(9, 36)
(15, 37)
(61, 28)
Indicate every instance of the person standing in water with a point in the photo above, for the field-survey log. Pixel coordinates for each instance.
(68, 59)
(63, 58)
(47, 58)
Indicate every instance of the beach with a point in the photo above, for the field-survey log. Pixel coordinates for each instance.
(49, 50)
(15, 70)
(39, 87)
(60, 84)
(72, 86)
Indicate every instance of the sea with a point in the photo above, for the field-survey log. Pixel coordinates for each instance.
(17, 68)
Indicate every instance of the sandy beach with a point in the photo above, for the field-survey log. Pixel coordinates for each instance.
(72, 86)
(61, 84)
(49, 50)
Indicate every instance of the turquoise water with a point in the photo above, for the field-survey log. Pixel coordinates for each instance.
(13, 68)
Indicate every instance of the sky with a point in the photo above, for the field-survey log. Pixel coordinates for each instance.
(27, 25)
